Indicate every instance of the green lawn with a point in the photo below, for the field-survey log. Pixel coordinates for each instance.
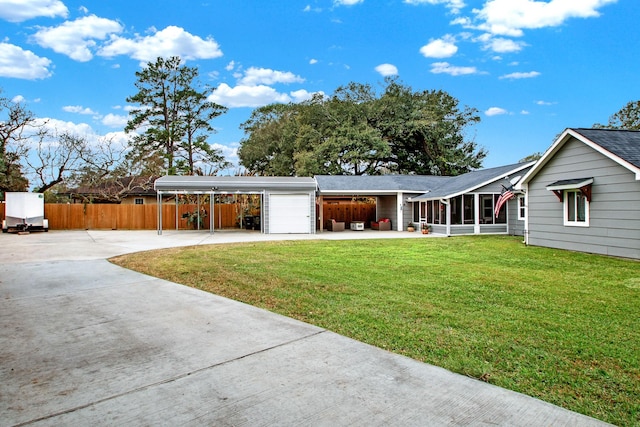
(557, 325)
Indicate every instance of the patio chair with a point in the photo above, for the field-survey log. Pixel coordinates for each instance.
(334, 225)
(383, 224)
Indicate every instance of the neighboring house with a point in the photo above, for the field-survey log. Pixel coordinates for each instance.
(129, 190)
(584, 193)
(463, 204)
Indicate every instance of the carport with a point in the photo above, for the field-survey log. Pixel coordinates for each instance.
(287, 204)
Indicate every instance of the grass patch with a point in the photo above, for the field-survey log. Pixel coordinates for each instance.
(557, 325)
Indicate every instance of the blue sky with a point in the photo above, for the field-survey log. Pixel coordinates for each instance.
(531, 68)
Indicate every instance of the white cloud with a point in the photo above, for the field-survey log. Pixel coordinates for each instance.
(454, 5)
(495, 111)
(172, 41)
(524, 112)
(346, 2)
(510, 17)
(256, 76)
(21, 10)
(58, 127)
(528, 75)
(18, 99)
(247, 96)
(22, 64)
(230, 66)
(545, 103)
(440, 48)
(313, 61)
(76, 38)
(446, 68)
(115, 120)
(387, 70)
(502, 45)
(78, 109)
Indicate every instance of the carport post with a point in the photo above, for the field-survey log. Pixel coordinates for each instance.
(159, 205)
(211, 206)
(176, 194)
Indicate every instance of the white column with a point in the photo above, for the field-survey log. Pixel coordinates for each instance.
(476, 208)
(400, 221)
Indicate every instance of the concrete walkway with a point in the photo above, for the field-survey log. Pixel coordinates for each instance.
(84, 342)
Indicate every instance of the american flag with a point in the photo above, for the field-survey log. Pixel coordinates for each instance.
(506, 195)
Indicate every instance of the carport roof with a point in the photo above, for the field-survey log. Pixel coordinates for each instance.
(232, 184)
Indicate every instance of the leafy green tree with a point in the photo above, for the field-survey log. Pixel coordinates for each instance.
(356, 132)
(628, 117)
(340, 137)
(426, 132)
(270, 147)
(174, 116)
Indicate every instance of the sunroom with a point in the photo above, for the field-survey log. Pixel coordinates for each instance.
(468, 204)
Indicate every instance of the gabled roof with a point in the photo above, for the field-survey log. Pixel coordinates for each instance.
(471, 181)
(621, 146)
(428, 186)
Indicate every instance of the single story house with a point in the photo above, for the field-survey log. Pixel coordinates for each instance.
(584, 193)
(463, 204)
(128, 190)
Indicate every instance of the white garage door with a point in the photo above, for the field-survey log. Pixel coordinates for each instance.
(289, 213)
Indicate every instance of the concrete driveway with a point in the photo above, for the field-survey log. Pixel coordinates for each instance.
(84, 342)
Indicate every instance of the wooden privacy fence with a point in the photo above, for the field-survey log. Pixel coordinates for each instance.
(145, 217)
(132, 217)
(350, 211)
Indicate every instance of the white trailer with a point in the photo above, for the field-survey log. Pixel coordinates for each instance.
(24, 212)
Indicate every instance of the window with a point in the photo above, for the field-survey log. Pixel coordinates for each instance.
(576, 208)
(469, 217)
(139, 201)
(521, 208)
(456, 210)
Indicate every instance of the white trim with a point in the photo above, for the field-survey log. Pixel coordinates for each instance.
(520, 208)
(565, 210)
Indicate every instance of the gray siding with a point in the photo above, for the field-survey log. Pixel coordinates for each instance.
(386, 208)
(516, 226)
(614, 227)
(458, 230)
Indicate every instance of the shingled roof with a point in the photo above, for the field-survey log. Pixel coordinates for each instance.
(622, 143)
(428, 186)
(621, 146)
